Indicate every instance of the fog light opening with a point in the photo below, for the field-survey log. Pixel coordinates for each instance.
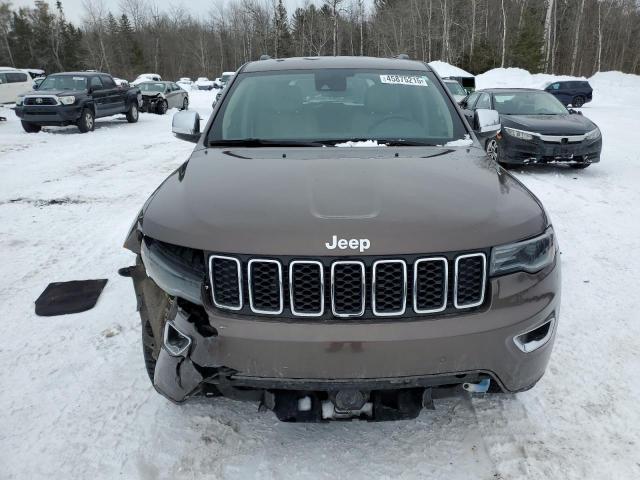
(533, 339)
(175, 342)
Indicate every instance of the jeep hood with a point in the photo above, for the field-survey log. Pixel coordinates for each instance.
(291, 201)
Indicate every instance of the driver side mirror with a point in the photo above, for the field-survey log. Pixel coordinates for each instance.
(186, 126)
(487, 121)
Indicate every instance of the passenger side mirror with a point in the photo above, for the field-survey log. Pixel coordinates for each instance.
(486, 121)
(186, 126)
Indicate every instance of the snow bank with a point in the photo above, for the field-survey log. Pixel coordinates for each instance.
(445, 69)
(518, 77)
(615, 88)
(609, 88)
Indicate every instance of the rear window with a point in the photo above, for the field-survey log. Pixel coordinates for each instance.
(337, 105)
(16, 77)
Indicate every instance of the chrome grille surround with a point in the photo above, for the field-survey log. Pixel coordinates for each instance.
(445, 295)
(292, 266)
(239, 286)
(251, 288)
(363, 288)
(373, 288)
(456, 280)
(366, 289)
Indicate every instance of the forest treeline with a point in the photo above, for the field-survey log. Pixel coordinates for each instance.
(576, 37)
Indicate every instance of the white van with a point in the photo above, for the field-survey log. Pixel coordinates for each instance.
(13, 82)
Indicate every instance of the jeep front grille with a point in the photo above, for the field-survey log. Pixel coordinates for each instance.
(335, 287)
(226, 279)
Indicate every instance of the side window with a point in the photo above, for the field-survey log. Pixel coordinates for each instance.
(96, 83)
(555, 86)
(472, 100)
(484, 101)
(16, 77)
(107, 82)
(3, 78)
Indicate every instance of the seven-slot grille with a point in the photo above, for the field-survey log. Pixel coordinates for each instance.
(348, 288)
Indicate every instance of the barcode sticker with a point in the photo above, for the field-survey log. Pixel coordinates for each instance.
(413, 80)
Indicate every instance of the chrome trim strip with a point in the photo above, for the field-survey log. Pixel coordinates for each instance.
(536, 344)
(556, 138)
(415, 284)
(364, 292)
(373, 289)
(484, 281)
(239, 270)
(321, 267)
(250, 286)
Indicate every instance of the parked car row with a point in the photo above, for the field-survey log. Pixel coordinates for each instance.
(78, 98)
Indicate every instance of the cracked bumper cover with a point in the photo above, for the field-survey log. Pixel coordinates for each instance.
(284, 354)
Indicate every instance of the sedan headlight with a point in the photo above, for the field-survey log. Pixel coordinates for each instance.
(528, 256)
(521, 134)
(67, 100)
(19, 100)
(593, 134)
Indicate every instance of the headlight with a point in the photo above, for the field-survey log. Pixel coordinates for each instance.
(529, 256)
(593, 134)
(19, 100)
(521, 134)
(67, 100)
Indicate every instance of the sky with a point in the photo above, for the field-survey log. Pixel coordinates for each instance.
(74, 9)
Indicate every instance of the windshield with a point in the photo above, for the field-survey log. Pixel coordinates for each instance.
(64, 82)
(528, 103)
(455, 88)
(337, 105)
(152, 87)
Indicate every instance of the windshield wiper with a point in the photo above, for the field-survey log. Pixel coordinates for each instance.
(259, 142)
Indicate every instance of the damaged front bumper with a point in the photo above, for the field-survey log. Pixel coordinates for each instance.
(393, 366)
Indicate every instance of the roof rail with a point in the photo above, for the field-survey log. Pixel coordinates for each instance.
(265, 57)
(402, 56)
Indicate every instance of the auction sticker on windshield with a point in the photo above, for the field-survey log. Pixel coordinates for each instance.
(404, 80)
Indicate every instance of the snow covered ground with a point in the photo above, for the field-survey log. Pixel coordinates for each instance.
(75, 401)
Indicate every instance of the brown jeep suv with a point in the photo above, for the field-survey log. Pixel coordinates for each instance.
(338, 246)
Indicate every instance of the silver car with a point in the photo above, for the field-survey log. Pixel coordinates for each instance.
(158, 97)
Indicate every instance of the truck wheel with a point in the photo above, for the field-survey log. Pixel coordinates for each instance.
(185, 104)
(31, 127)
(162, 107)
(87, 121)
(132, 113)
(577, 101)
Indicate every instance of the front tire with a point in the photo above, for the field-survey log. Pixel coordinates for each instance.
(162, 107)
(578, 101)
(31, 127)
(87, 121)
(132, 113)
